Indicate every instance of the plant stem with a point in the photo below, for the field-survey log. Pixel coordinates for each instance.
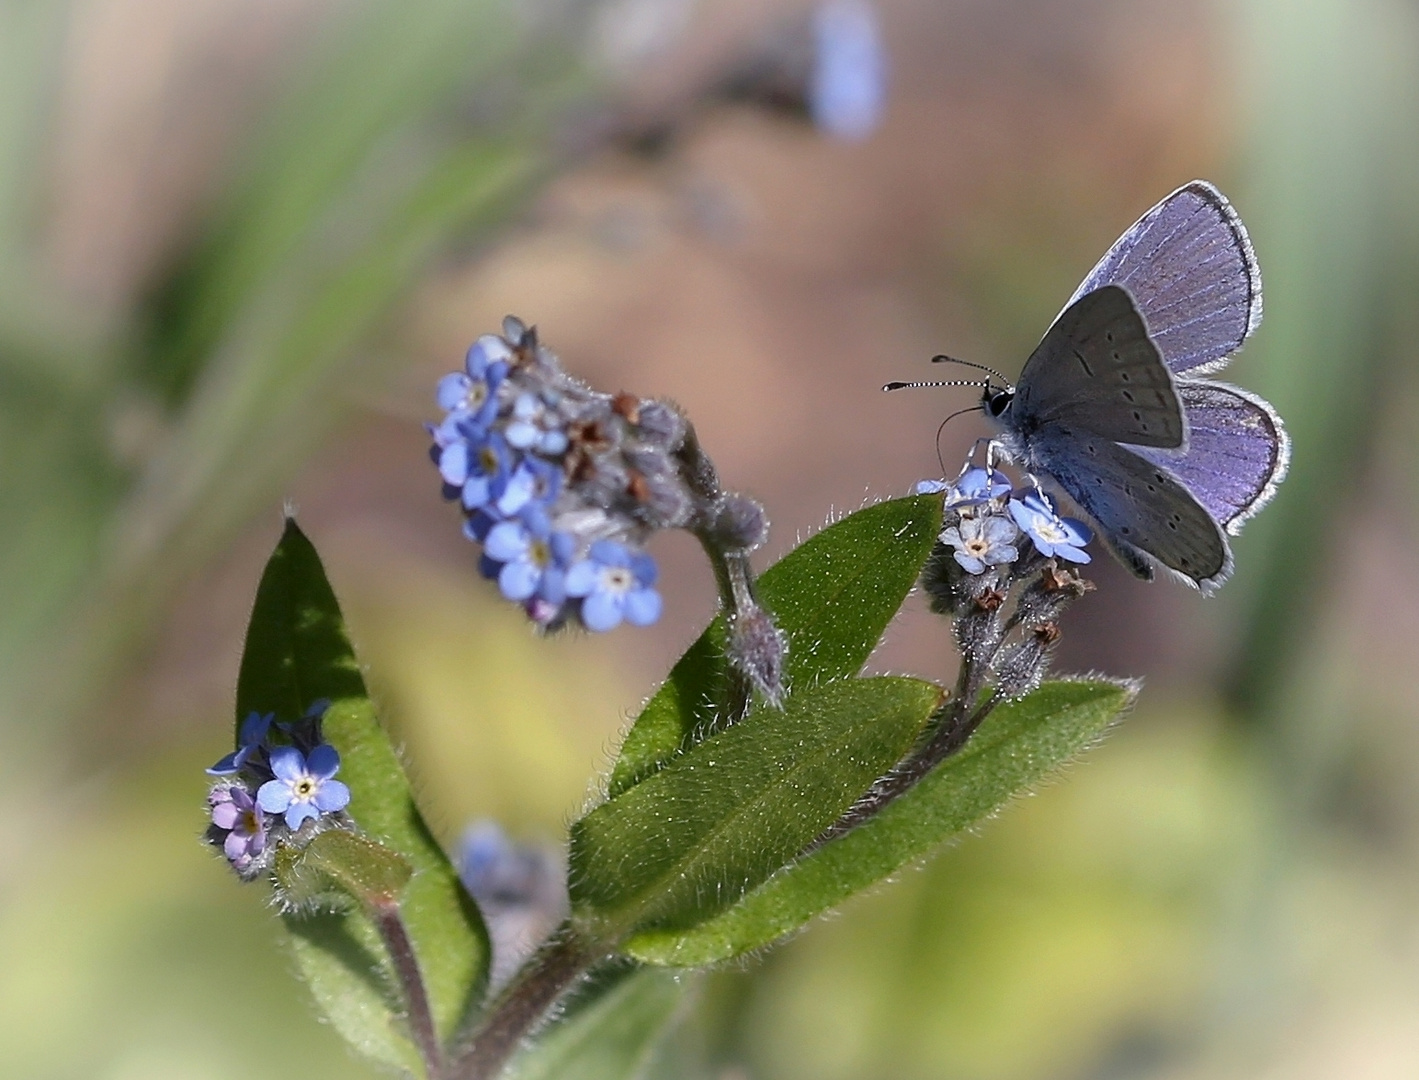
(956, 725)
(525, 1004)
(411, 982)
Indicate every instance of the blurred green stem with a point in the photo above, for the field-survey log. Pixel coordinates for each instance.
(411, 982)
(523, 1006)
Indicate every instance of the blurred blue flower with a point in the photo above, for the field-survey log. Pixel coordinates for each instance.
(478, 468)
(471, 395)
(1052, 535)
(616, 583)
(534, 426)
(533, 558)
(982, 541)
(533, 482)
(930, 487)
(253, 734)
(234, 809)
(303, 787)
(848, 87)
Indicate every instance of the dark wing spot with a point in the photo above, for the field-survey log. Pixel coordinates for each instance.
(1123, 375)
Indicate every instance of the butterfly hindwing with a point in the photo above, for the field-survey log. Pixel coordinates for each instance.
(1098, 370)
(1138, 506)
(1237, 451)
(1189, 266)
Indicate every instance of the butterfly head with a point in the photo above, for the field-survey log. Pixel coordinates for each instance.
(995, 400)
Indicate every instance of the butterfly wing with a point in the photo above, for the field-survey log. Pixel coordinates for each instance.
(1142, 510)
(1237, 451)
(1190, 268)
(1097, 370)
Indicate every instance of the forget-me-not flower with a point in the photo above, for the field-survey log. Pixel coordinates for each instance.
(533, 426)
(303, 787)
(471, 394)
(478, 468)
(982, 541)
(234, 809)
(976, 486)
(615, 582)
(534, 481)
(1052, 535)
(533, 557)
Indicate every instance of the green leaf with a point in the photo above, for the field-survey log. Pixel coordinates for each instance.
(611, 1038)
(833, 596)
(297, 652)
(1019, 744)
(687, 842)
(356, 865)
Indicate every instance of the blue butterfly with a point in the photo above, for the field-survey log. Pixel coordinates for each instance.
(1110, 405)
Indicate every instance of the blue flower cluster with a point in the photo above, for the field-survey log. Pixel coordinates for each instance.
(267, 790)
(560, 484)
(991, 514)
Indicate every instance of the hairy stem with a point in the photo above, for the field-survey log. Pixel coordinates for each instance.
(526, 1002)
(411, 983)
(956, 723)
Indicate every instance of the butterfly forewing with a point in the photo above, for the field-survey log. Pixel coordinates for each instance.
(1138, 506)
(1190, 268)
(1097, 370)
(1237, 451)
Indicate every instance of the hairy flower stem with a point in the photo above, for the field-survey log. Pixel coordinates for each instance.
(524, 1004)
(954, 725)
(411, 983)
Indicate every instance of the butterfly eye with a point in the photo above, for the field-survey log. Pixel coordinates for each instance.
(997, 402)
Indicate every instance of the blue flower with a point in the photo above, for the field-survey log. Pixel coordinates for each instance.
(615, 581)
(848, 91)
(253, 735)
(976, 486)
(1052, 535)
(981, 542)
(303, 787)
(536, 427)
(478, 468)
(234, 809)
(534, 482)
(472, 394)
(930, 487)
(533, 558)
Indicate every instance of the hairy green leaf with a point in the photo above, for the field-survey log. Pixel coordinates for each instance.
(833, 596)
(297, 652)
(687, 842)
(612, 1037)
(1019, 744)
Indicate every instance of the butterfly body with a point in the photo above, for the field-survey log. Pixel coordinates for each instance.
(1111, 405)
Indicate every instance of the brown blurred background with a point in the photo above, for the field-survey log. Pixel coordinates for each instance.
(239, 242)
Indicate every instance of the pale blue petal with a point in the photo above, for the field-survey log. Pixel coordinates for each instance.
(506, 541)
(518, 580)
(287, 763)
(332, 796)
(602, 611)
(298, 813)
(273, 796)
(642, 607)
(324, 762)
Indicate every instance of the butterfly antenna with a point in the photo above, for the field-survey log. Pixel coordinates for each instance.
(919, 385)
(943, 359)
(959, 412)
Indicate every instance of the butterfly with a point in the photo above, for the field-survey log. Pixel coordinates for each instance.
(1113, 407)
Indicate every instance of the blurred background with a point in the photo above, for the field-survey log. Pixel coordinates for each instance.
(241, 239)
